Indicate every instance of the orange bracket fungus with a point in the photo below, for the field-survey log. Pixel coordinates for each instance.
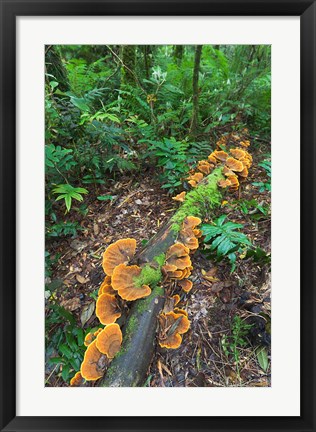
(180, 197)
(123, 281)
(107, 309)
(238, 153)
(76, 380)
(180, 311)
(106, 287)
(109, 340)
(191, 222)
(186, 285)
(172, 325)
(94, 362)
(234, 164)
(120, 252)
(205, 167)
(90, 337)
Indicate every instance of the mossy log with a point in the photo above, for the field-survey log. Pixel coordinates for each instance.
(130, 366)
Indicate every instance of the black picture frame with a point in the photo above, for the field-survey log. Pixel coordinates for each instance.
(10, 9)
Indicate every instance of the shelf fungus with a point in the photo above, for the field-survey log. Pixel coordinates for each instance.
(180, 311)
(180, 197)
(76, 380)
(194, 179)
(124, 281)
(178, 262)
(188, 234)
(109, 340)
(90, 337)
(219, 155)
(234, 164)
(107, 309)
(205, 167)
(238, 153)
(234, 183)
(120, 252)
(172, 326)
(186, 285)
(94, 363)
(191, 222)
(212, 159)
(106, 287)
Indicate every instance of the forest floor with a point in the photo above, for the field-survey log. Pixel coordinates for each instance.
(138, 209)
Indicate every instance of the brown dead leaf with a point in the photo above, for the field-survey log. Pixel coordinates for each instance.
(71, 304)
(81, 279)
(164, 367)
(210, 275)
(217, 287)
(96, 229)
(86, 313)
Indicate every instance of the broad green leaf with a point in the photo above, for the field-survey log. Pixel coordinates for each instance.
(68, 202)
(105, 197)
(262, 357)
(225, 246)
(65, 350)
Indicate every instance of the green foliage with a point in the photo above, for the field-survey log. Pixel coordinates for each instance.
(68, 193)
(258, 255)
(105, 197)
(68, 340)
(265, 186)
(224, 239)
(255, 210)
(199, 201)
(262, 357)
(63, 229)
(58, 160)
(236, 340)
(171, 157)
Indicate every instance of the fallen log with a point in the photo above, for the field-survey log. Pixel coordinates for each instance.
(130, 366)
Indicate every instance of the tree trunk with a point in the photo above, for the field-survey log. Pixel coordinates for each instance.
(129, 59)
(178, 54)
(147, 60)
(195, 85)
(130, 366)
(54, 66)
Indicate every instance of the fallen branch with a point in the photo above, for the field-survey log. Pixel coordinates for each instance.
(130, 366)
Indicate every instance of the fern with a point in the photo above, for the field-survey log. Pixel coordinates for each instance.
(224, 239)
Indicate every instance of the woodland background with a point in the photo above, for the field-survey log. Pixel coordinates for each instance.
(124, 125)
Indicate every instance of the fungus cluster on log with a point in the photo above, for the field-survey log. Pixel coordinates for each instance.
(118, 286)
(164, 263)
(235, 166)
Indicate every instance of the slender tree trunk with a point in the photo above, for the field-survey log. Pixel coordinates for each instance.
(178, 54)
(147, 60)
(129, 59)
(55, 67)
(195, 85)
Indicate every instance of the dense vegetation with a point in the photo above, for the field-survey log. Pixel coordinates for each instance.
(115, 113)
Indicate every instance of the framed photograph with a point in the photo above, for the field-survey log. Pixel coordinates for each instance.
(157, 215)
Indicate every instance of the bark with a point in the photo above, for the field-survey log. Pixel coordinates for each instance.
(195, 86)
(129, 59)
(147, 60)
(129, 368)
(54, 66)
(178, 54)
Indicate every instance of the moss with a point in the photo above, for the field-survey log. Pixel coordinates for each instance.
(144, 304)
(160, 259)
(200, 200)
(151, 275)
